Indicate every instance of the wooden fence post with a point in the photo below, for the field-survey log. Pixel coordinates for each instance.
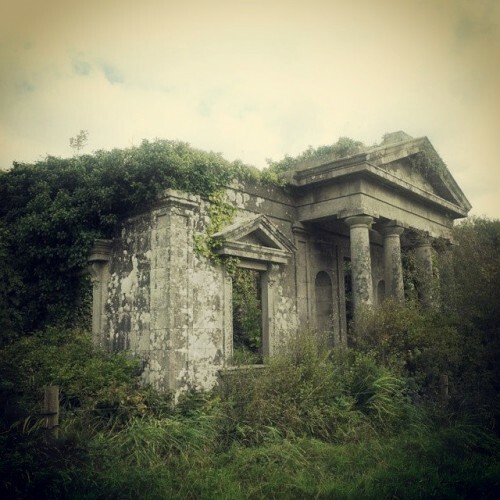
(51, 406)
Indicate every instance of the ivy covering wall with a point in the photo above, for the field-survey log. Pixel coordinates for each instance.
(52, 211)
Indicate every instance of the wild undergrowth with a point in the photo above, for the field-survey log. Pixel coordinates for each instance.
(313, 423)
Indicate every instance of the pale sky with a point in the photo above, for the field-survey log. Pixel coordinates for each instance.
(255, 79)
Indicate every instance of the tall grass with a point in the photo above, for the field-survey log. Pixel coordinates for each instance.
(311, 424)
(453, 463)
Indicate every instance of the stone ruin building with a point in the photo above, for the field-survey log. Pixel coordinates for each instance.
(323, 248)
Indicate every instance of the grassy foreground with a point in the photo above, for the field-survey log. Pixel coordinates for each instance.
(313, 424)
(458, 462)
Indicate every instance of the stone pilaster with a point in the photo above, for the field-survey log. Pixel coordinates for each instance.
(424, 265)
(99, 272)
(393, 268)
(362, 285)
(268, 309)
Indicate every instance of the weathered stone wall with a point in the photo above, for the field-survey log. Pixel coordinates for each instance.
(169, 304)
(206, 348)
(128, 306)
(172, 306)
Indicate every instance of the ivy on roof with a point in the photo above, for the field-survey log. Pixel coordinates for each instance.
(51, 212)
(342, 148)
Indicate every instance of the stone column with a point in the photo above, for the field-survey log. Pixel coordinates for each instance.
(362, 285)
(393, 268)
(424, 265)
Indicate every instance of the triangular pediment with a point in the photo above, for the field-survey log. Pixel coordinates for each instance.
(417, 162)
(255, 238)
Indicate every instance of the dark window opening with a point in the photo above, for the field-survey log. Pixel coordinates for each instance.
(247, 317)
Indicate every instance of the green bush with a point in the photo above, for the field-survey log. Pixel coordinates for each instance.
(52, 211)
(98, 392)
(311, 424)
(89, 380)
(308, 391)
(419, 345)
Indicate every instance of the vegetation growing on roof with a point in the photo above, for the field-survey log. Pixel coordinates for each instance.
(343, 147)
(427, 161)
(355, 424)
(51, 212)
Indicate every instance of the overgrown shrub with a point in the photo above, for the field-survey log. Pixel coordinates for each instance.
(101, 384)
(52, 211)
(343, 147)
(98, 392)
(420, 345)
(309, 391)
(474, 292)
(311, 424)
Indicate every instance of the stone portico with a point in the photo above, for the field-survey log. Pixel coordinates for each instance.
(324, 248)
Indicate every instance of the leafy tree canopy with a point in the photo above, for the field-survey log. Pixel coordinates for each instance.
(476, 274)
(52, 211)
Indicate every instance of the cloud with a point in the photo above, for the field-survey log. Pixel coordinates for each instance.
(255, 79)
(476, 20)
(81, 67)
(112, 74)
(25, 86)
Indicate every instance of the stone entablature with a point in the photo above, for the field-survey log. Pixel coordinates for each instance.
(337, 232)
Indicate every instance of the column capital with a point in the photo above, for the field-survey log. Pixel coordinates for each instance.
(101, 251)
(423, 241)
(392, 228)
(359, 220)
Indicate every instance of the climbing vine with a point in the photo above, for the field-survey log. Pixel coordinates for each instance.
(221, 213)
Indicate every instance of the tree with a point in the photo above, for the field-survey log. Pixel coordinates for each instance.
(476, 263)
(79, 141)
